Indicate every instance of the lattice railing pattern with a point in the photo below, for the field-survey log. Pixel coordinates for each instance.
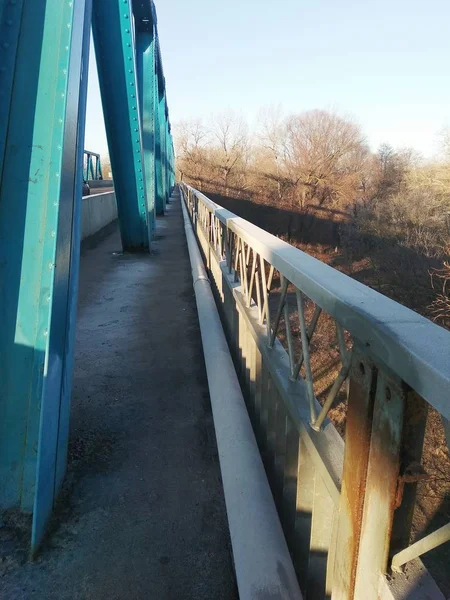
(343, 507)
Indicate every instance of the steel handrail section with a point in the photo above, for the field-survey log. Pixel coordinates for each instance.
(409, 344)
(261, 557)
(394, 362)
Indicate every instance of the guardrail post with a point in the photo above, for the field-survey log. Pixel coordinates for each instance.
(361, 399)
(381, 485)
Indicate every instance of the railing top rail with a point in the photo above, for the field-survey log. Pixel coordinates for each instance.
(413, 347)
(91, 153)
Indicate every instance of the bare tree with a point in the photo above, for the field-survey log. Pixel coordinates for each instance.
(230, 153)
(324, 156)
(271, 137)
(191, 142)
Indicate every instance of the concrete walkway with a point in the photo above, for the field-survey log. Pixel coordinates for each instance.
(143, 514)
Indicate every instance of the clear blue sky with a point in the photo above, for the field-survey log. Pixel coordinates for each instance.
(383, 62)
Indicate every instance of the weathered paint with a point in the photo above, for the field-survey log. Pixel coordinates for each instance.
(381, 486)
(357, 444)
(414, 423)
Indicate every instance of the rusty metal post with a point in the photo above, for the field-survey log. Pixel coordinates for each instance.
(381, 485)
(414, 424)
(357, 443)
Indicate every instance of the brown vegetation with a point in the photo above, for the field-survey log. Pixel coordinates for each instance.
(386, 214)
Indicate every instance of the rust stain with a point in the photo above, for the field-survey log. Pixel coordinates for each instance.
(357, 446)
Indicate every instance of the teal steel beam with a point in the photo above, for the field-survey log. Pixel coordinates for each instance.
(159, 185)
(10, 20)
(162, 120)
(38, 208)
(74, 265)
(145, 65)
(112, 27)
(43, 88)
(55, 409)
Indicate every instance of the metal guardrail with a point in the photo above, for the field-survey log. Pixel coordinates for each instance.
(92, 166)
(260, 554)
(345, 508)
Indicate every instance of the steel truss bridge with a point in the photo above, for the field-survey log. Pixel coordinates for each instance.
(308, 514)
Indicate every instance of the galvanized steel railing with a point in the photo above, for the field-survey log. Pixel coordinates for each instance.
(345, 508)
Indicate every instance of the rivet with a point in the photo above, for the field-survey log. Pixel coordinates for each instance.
(45, 332)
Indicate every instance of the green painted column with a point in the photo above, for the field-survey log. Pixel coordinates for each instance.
(145, 65)
(40, 206)
(159, 184)
(114, 41)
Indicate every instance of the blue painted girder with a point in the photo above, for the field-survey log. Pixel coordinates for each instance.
(39, 207)
(145, 65)
(159, 173)
(112, 27)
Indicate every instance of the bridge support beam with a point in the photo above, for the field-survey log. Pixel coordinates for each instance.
(159, 152)
(41, 145)
(112, 27)
(145, 62)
